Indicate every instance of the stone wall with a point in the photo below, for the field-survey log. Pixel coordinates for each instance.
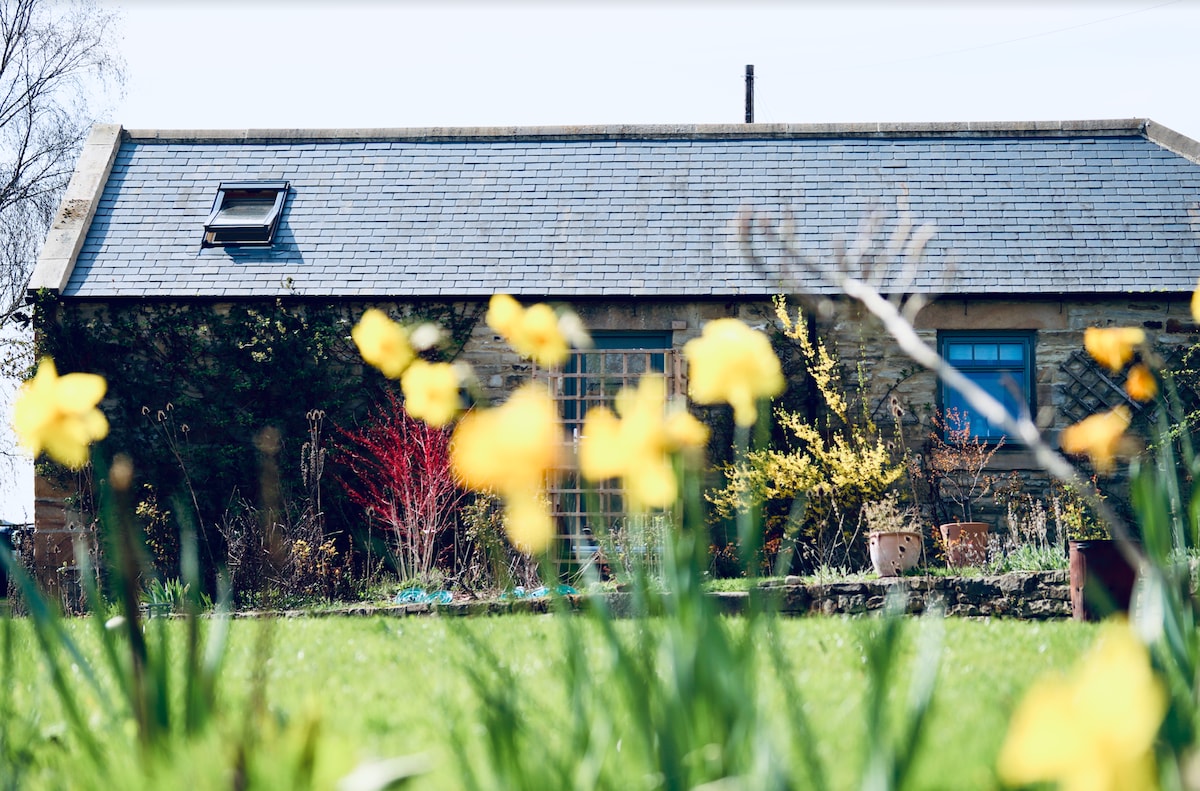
(1034, 594)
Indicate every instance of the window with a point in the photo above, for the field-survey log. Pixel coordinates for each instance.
(616, 360)
(1000, 363)
(590, 378)
(245, 213)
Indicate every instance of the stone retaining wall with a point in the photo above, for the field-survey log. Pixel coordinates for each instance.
(1028, 595)
(1035, 594)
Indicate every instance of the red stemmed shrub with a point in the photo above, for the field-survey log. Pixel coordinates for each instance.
(398, 470)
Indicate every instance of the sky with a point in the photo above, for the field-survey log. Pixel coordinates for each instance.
(456, 63)
(238, 64)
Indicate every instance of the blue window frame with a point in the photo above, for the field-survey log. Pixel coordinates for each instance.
(999, 362)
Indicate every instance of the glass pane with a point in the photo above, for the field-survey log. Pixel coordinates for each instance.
(986, 352)
(958, 352)
(244, 211)
(1012, 352)
(1006, 387)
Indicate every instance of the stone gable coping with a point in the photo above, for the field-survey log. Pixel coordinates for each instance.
(74, 217)
(1099, 128)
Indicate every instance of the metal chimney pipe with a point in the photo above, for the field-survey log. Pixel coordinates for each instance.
(749, 94)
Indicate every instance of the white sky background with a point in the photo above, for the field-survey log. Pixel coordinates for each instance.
(259, 64)
(381, 64)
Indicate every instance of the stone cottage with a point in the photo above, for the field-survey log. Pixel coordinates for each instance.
(1042, 229)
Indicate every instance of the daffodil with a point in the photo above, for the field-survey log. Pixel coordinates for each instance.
(512, 450)
(504, 314)
(636, 446)
(533, 332)
(431, 392)
(1141, 384)
(383, 343)
(1099, 436)
(1114, 346)
(539, 338)
(1093, 731)
(527, 521)
(733, 364)
(1196, 304)
(58, 414)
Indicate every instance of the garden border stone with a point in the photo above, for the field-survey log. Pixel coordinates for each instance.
(1031, 595)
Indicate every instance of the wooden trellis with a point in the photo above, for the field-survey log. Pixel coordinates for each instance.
(1090, 388)
(593, 378)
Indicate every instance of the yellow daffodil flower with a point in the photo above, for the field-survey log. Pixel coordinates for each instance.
(636, 447)
(1196, 304)
(512, 450)
(504, 314)
(539, 338)
(1099, 436)
(1141, 384)
(733, 364)
(1113, 347)
(601, 453)
(58, 414)
(1094, 731)
(431, 392)
(529, 525)
(533, 332)
(382, 343)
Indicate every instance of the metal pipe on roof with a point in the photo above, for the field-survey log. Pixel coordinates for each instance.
(749, 93)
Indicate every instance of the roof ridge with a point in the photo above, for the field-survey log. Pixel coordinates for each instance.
(1105, 127)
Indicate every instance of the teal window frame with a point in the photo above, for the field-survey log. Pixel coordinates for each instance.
(1001, 362)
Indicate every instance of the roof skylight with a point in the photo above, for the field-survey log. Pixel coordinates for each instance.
(245, 213)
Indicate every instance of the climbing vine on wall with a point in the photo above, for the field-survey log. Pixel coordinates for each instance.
(191, 385)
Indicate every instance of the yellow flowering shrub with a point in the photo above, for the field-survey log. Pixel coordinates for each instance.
(839, 463)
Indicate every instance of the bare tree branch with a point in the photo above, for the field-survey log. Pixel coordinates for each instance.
(861, 274)
(55, 59)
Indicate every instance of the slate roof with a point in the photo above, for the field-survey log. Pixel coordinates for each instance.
(1084, 207)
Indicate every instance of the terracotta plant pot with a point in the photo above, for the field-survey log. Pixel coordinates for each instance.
(965, 543)
(892, 554)
(1102, 579)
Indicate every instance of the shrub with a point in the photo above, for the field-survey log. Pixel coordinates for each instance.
(397, 469)
(839, 460)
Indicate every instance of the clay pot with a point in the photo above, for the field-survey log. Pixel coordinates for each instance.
(892, 554)
(1102, 579)
(965, 543)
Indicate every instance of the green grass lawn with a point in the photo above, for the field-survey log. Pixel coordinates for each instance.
(384, 687)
